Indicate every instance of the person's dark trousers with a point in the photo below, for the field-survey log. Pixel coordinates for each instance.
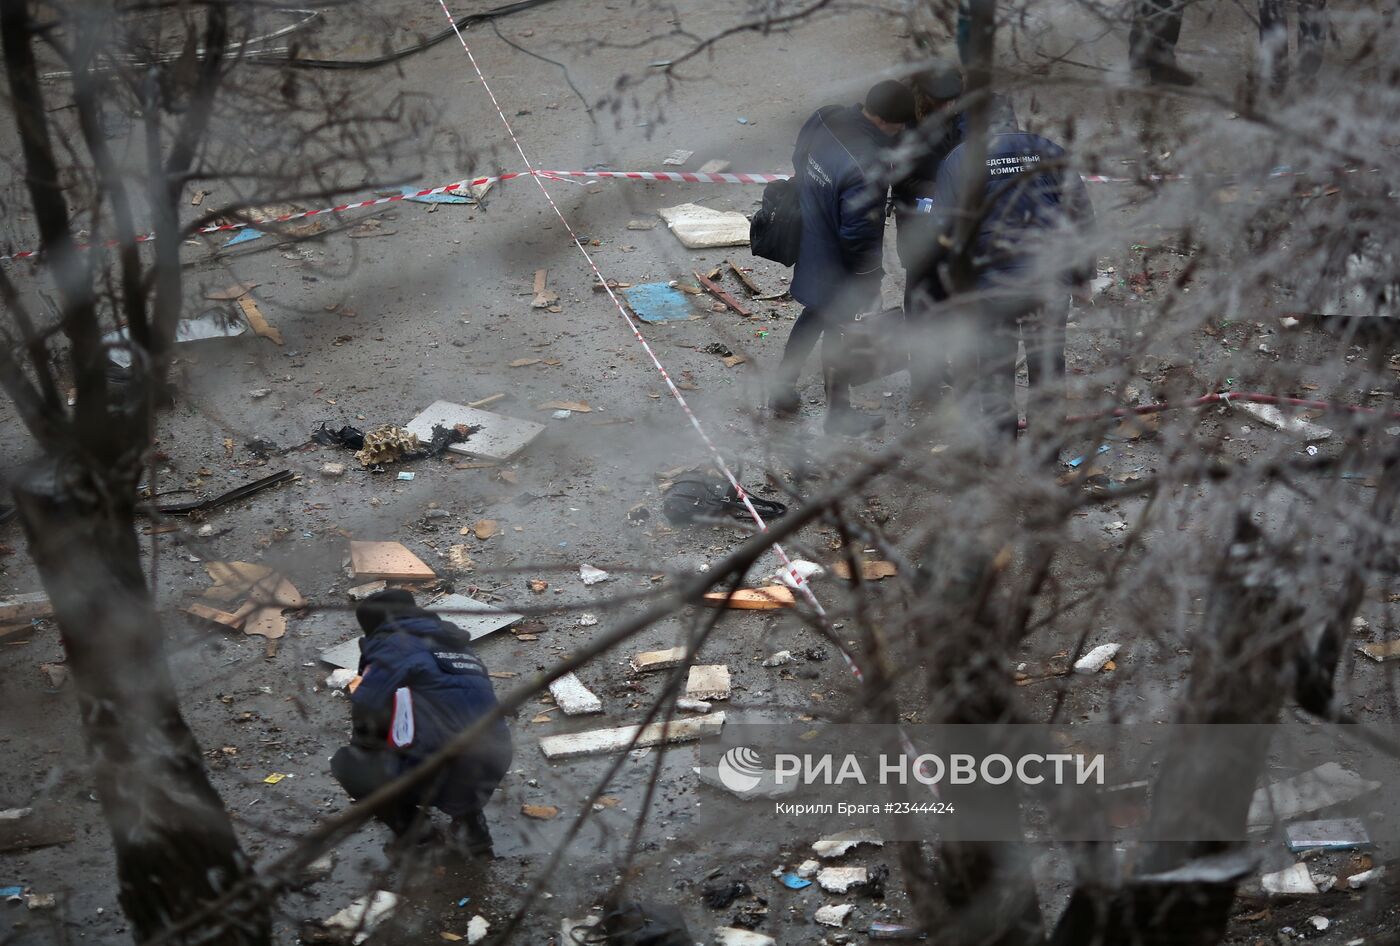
(362, 772)
(1273, 36)
(801, 340)
(928, 358)
(1043, 333)
(1155, 31)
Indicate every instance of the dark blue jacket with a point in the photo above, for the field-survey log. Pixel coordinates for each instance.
(450, 691)
(842, 183)
(1028, 195)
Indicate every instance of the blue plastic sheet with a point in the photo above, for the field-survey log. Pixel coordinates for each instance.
(793, 882)
(246, 235)
(450, 197)
(658, 302)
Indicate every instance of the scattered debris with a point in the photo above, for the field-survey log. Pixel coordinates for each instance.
(641, 224)
(495, 437)
(573, 407)
(459, 560)
(756, 784)
(708, 682)
(697, 496)
(598, 741)
(805, 570)
(410, 192)
(1365, 878)
(700, 227)
(361, 592)
(258, 322)
(388, 560)
(722, 294)
(351, 438)
(18, 609)
(734, 936)
(1319, 923)
(841, 879)
(833, 914)
(1327, 785)
(658, 302)
(543, 297)
(893, 931)
(341, 678)
(407, 476)
(539, 812)
(475, 618)
(587, 620)
(714, 166)
(836, 845)
(1290, 880)
(321, 867)
(486, 528)
(236, 291)
(1096, 659)
(215, 323)
(538, 585)
(779, 659)
(363, 915)
(573, 697)
(1273, 417)
(1382, 651)
(590, 575)
(659, 659)
(751, 599)
(387, 444)
(40, 901)
(333, 470)
(743, 276)
(477, 929)
(692, 706)
(14, 814)
(869, 570)
(268, 595)
(233, 495)
(678, 157)
(1333, 834)
(808, 868)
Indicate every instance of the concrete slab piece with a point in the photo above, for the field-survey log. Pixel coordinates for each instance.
(708, 682)
(499, 438)
(841, 879)
(573, 697)
(838, 844)
(699, 227)
(599, 741)
(475, 617)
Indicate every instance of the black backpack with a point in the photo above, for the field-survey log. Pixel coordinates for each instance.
(776, 230)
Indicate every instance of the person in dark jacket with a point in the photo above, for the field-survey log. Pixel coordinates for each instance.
(421, 683)
(1028, 257)
(1273, 39)
(840, 164)
(1152, 41)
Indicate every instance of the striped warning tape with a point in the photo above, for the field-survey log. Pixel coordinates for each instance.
(678, 177)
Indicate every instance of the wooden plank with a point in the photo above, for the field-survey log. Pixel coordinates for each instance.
(258, 321)
(598, 741)
(870, 571)
(744, 278)
(1385, 650)
(752, 599)
(659, 659)
(20, 608)
(388, 560)
(722, 294)
(233, 620)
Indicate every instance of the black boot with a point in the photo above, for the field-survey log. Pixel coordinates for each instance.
(472, 833)
(841, 418)
(783, 399)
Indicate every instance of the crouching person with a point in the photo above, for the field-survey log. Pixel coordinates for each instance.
(420, 684)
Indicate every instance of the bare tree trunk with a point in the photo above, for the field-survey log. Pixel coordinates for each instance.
(174, 842)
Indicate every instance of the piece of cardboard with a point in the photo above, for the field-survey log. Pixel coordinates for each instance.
(388, 560)
(752, 599)
(499, 438)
